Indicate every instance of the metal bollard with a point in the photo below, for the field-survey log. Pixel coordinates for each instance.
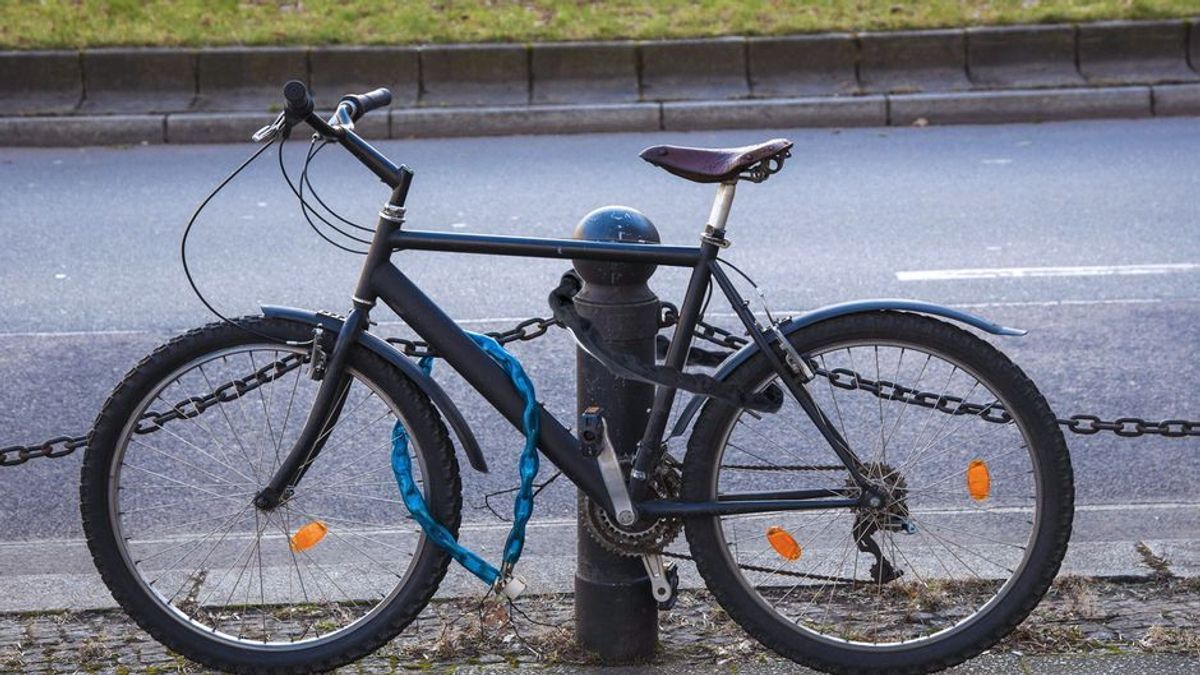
(615, 614)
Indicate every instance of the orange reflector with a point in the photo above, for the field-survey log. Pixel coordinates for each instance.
(783, 543)
(979, 480)
(309, 536)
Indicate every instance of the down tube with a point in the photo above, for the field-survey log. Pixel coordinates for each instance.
(477, 368)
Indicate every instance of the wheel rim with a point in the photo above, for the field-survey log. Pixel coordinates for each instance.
(949, 584)
(228, 571)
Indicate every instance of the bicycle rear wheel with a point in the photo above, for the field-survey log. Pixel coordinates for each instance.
(980, 500)
(167, 488)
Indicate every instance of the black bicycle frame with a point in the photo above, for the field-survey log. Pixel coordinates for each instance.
(379, 279)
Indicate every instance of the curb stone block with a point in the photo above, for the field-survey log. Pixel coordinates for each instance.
(337, 71)
(694, 69)
(931, 60)
(237, 127)
(82, 130)
(41, 82)
(1124, 52)
(584, 73)
(845, 111)
(138, 80)
(240, 79)
(1194, 44)
(805, 65)
(548, 119)
(1177, 99)
(1031, 105)
(460, 75)
(217, 127)
(1022, 56)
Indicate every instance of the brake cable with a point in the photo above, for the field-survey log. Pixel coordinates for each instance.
(305, 209)
(187, 231)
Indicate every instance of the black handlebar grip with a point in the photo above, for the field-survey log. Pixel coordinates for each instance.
(365, 103)
(299, 101)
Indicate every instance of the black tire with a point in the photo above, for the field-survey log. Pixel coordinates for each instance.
(170, 625)
(1046, 544)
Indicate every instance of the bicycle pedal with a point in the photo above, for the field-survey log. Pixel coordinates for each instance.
(664, 580)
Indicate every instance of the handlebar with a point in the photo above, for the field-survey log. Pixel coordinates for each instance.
(351, 107)
(365, 103)
(299, 108)
(299, 101)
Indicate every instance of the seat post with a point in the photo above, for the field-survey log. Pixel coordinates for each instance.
(720, 210)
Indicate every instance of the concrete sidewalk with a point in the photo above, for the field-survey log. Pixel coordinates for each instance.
(976, 75)
(1121, 626)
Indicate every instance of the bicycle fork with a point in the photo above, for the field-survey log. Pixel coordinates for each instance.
(335, 383)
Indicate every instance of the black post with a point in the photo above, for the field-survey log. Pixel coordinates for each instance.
(615, 614)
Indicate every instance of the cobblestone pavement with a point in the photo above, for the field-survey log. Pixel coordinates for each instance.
(1095, 625)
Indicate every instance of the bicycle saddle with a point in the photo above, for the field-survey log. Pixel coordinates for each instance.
(713, 165)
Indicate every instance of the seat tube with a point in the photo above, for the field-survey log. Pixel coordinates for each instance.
(712, 241)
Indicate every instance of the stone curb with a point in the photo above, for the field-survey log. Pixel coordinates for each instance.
(825, 111)
(933, 60)
(336, 71)
(83, 130)
(240, 79)
(1123, 52)
(235, 78)
(539, 119)
(694, 69)
(138, 81)
(468, 75)
(1033, 105)
(40, 82)
(1022, 57)
(803, 65)
(813, 80)
(597, 72)
(964, 107)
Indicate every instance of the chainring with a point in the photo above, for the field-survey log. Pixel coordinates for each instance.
(644, 536)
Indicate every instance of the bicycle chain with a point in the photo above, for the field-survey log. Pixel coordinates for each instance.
(533, 328)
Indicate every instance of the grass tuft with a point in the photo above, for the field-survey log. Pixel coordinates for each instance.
(29, 24)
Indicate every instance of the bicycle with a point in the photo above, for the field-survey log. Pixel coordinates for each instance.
(842, 515)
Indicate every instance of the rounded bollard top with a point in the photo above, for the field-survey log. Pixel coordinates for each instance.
(615, 223)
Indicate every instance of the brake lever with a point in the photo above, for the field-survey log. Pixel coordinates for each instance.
(271, 130)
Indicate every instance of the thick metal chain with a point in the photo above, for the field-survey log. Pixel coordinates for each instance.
(529, 329)
(1126, 427)
(533, 328)
(152, 421)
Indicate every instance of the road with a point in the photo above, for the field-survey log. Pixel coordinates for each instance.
(90, 277)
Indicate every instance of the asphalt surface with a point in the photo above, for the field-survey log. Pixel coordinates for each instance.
(90, 277)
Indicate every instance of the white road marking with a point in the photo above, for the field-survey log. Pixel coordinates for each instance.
(1026, 272)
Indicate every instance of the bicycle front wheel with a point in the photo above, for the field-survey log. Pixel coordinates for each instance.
(174, 462)
(976, 520)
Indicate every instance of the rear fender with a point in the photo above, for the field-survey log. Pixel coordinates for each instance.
(828, 312)
(393, 356)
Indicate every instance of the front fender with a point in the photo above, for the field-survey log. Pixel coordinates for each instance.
(828, 312)
(427, 384)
